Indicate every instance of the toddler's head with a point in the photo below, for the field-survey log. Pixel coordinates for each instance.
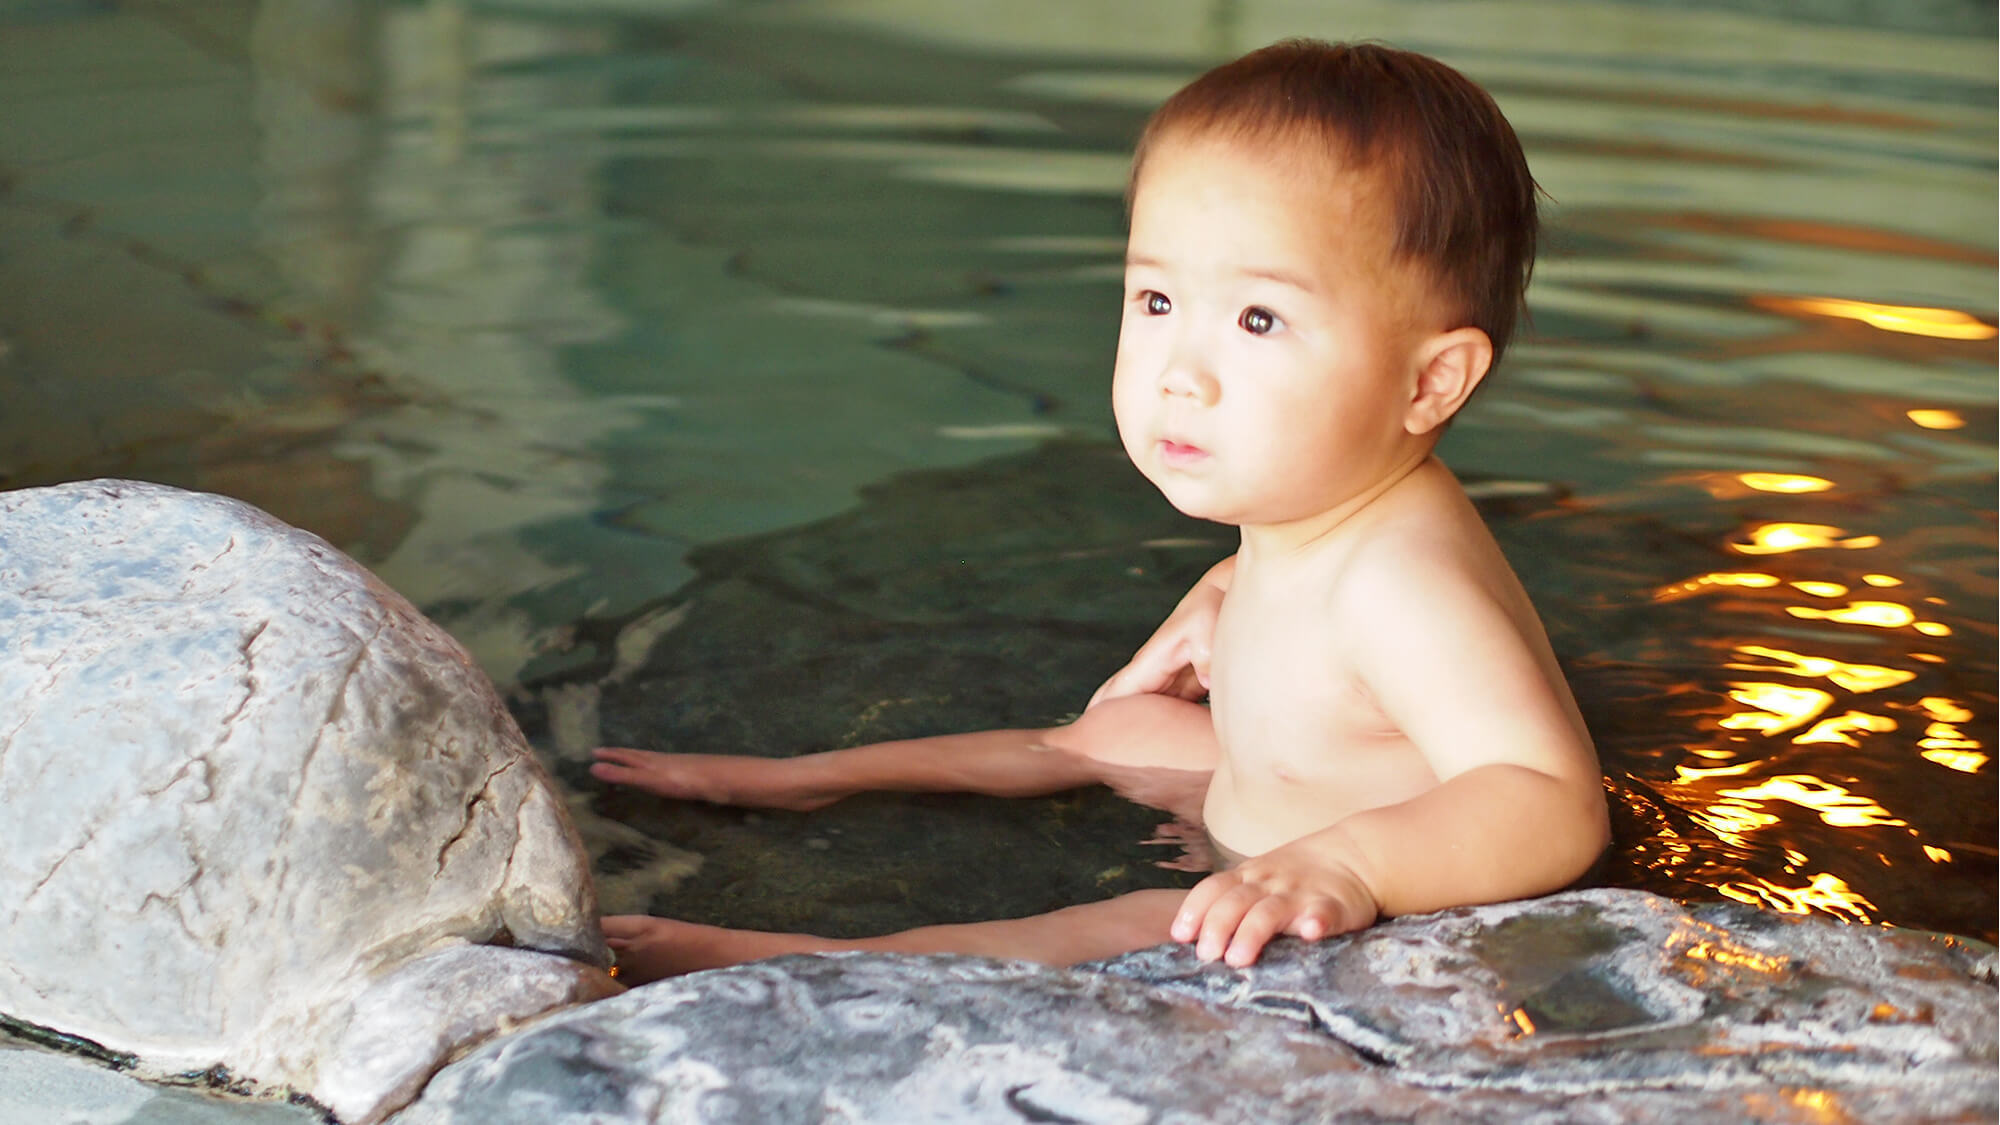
(1438, 148)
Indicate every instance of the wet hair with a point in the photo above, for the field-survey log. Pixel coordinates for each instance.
(1463, 200)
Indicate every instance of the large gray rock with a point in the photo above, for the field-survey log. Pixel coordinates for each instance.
(260, 813)
(1596, 1006)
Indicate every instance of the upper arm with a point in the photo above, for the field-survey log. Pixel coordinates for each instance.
(1463, 674)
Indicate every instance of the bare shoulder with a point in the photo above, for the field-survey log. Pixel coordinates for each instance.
(1429, 548)
(1433, 613)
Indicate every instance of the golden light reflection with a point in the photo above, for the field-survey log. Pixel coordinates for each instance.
(1927, 657)
(1705, 582)
(1779, 707)
(1932, 628)
(1836, 729)
(1944, 709)
(1738, 958)
(1881, 615)
(1779, 538)
(1915, 320)
(1820, 589)
(1945, 744)
(1964, 761)
(1820, 1103)
(1938, 855)
(1684, 774)
(1856, 678)
(1731, 823)
(1835, 805)
(1790, 484)
(1521, 1020)
(1824, 892)
(1881, 580)
(1937, 419)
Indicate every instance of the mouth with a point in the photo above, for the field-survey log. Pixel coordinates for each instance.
(1178, 453)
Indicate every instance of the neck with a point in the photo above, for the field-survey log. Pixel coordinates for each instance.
(1296, 538)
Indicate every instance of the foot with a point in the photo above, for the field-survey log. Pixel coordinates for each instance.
(650, 948)
(722, 779)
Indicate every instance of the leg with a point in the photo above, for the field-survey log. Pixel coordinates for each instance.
(1122, 742)
(651, 948)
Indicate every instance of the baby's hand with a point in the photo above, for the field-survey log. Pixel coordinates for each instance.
(1233, 914)
(1174, 660)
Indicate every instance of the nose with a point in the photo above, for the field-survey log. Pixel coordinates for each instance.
(1188, 374)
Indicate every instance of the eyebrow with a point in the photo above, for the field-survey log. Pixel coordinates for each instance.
(1282, 277)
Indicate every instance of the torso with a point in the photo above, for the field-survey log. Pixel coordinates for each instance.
(1302, 743)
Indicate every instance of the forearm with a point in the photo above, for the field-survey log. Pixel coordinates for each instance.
(1490, 834)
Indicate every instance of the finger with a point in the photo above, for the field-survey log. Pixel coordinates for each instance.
(619, 755)
(1187, 922)
(1219, 925)
(1258, 927)
(1318, 918)
(613, 772)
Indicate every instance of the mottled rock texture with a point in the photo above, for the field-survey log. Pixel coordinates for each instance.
(1595, 1006)
(246, 784)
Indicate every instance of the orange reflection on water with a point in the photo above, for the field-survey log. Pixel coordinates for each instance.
(1937, 419)
(1779, 707)
(1730, 823)
(1779, 538)
(1915, 320)
(1835, 729)
(1854, 677)
(1881, 580)
(1787, 483)
(1705, 582)
(1835, 805)
(1944, 709)
(1938, 855)
(1820, 589)
(1881, 615)
(1825, 892)
(1964, 761)
(1943, 742)
(1932, 628)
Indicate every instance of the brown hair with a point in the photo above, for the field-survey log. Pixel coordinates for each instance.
(1464, 201)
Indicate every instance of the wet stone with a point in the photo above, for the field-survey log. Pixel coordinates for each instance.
(264, 819)
(1709, 1014)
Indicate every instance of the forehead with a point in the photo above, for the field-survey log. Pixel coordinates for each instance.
(1258, 198)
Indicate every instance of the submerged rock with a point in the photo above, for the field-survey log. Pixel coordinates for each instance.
(258, 806)
(1599, 1005)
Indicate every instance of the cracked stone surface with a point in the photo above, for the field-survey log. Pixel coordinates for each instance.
(1598, 1005)
(246, 784)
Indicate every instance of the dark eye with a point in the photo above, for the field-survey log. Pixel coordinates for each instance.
(1257, 321)
(1157, 304)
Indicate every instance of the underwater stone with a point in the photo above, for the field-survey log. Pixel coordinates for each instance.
(1631, 1008)
(246, 783)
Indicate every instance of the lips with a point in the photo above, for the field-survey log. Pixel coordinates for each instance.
(1180, 454)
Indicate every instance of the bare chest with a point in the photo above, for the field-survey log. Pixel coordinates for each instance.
(1286, 699)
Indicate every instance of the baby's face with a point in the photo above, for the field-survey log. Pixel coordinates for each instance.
(1267, 353)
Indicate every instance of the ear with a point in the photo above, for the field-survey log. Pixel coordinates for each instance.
(1450, 366)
